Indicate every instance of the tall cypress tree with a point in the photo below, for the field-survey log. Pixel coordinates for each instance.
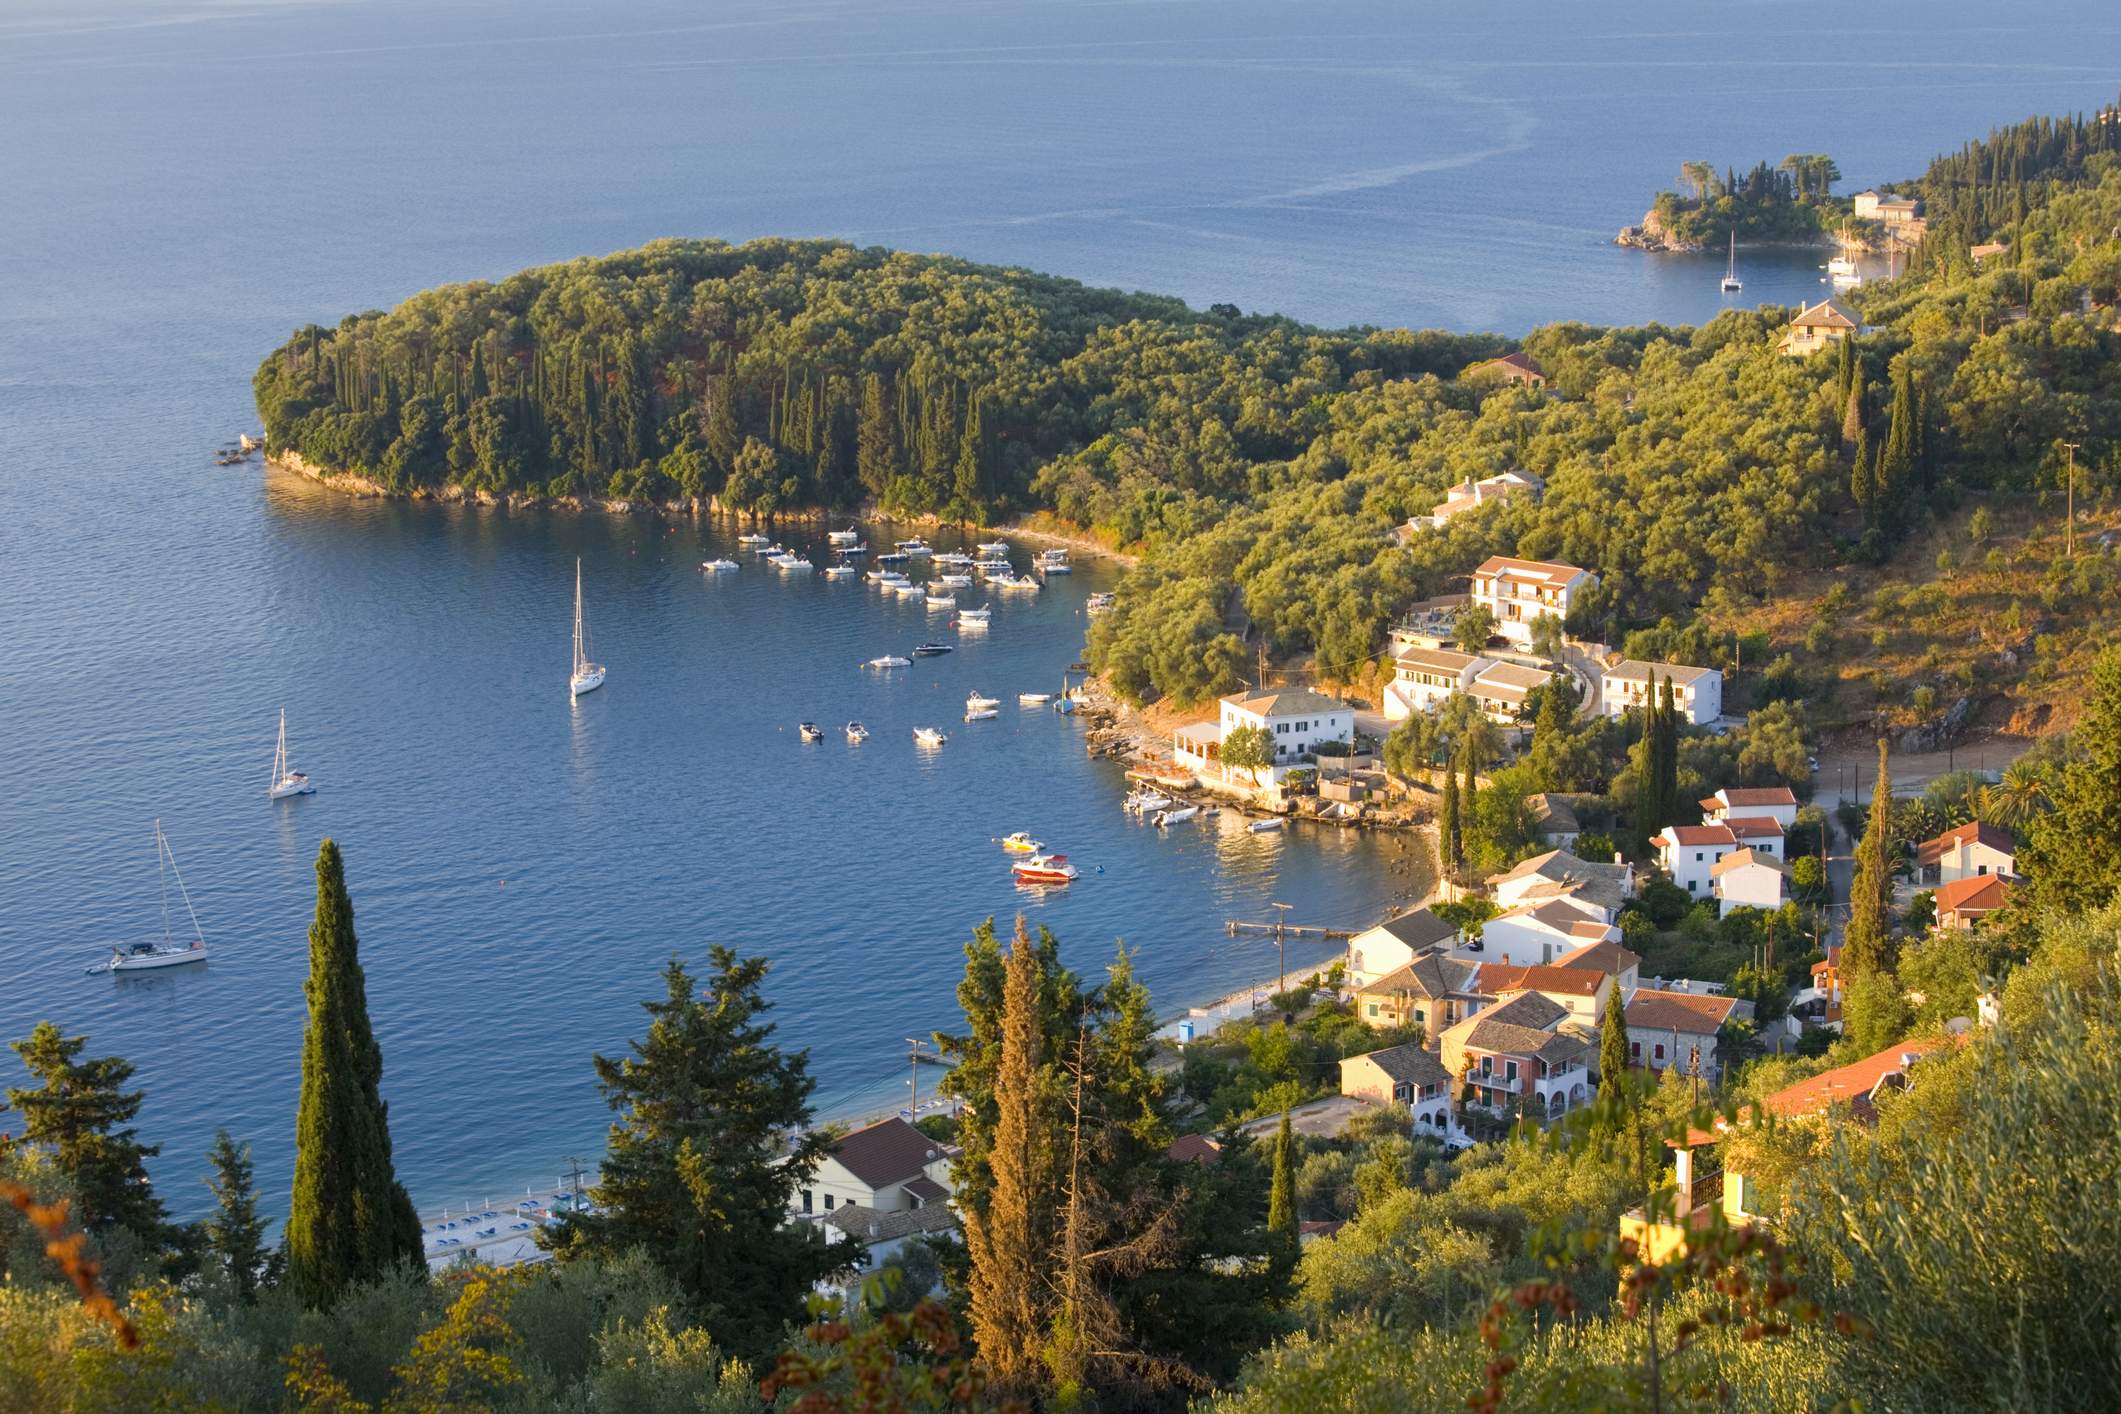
(1011, 1241)
(1613, 1048)
(1468, 795)
(1852, 419)
(876, 459)
(82, 1113)
(1284, 1243)
(1449, 841)
(1867, 944)
(1863, 477)
(1668, 748)
(349, 1220)
(970, 485)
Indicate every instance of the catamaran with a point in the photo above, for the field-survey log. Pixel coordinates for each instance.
(140, 957)
(1731, 285)
(284, 781)
(587, 676)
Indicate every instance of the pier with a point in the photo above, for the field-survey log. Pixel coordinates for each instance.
(1288, 930)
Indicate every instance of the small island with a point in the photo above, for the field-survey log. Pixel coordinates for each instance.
(1790, 203)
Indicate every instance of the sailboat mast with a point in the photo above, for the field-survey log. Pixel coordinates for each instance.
(279, 754)
(182, 892)
(162, 878)
(578, 653)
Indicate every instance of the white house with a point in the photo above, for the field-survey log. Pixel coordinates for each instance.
(1520, 592)
(1583, 992)
(1296, 719)
(1697, 693)
(1382, 950)
(1470, 495)
(1554, 819)
(1689, 852)
(1534, 934)
(1746, 878)
(1972, 851)
(1503, 689)
(1775, 803)
(880, 1235)
(1423, 677)
(1878, 206)
(887, 1167)
(1596, 890)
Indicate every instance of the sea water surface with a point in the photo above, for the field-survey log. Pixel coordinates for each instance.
(183, 181)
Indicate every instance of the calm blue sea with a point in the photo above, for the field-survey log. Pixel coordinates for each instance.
(182, 182)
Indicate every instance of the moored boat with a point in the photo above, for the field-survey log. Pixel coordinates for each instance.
(931, 650)
(720, 566)
(1266, 826)
(586, 676)
(889, 660)
(993, 548)
(942, 601)
(1020, 842)
(286, 781)
(982, 714)
(144, 957)
(843, 537)
(752, 539)
(979, 702)
(810, 731)
(1044, 869)
(1034, 699)
(974, 618)
(839, 571)
(929, 736)
(1177, 816)
(857, 733)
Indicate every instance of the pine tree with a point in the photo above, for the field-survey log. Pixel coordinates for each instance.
(82, 1113)
(1281, 1194)
(349, 1219)
(698, 1171)
(235, 1234)
(1867, 944)
(1010, 1243)
(876, 458)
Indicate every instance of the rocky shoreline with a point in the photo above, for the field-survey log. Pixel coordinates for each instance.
(351, 484)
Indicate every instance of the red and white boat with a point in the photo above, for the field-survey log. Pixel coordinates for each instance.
(1044, 869)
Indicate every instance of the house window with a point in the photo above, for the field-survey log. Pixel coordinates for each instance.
(1509, 1071)
(1420, 1017)
(1402, 1092)
(1487, 1065)
(1692, 885)
(807, 1200)
(828, 1202)
(1635, 1050)
(1697, 856)
(1980, 869)
(1659, 1054)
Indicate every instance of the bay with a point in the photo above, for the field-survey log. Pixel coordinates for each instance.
(185, 182)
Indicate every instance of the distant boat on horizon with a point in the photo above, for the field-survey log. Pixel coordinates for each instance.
(1731, 284)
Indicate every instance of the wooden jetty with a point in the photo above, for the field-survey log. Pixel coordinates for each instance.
(1288, 930)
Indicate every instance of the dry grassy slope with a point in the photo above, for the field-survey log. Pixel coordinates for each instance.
(1999, 626)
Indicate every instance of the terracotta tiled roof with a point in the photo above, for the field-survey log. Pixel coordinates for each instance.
(1983, 893)
(1685, 835)
(1195, 1149)
(1679, 1011)
(1742, 858)
(1844, 1084)
(1755, 827)
(890, 1151)
(1280, 702)
(1609, 958)
(1754, 796)
(1409, 1065)
(1974, 832)
(1497, 978)
(1826, 315)
(1543, 571)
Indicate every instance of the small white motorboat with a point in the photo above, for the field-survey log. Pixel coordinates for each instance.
(794, 564)
(1019, 584)
(1098, 603)
(857, 733)
(889, 660)
(1147, 802)
(1177, 817)
(1021, 843)
(993, 549)
(931, 650)
(942, 601)
(907, 589)
(1265, 827)
(974, 618)
(952, 559)
(286, 781)
(955, 581)
(989, 568)
(720, 566)
(144, 957)
(979, 702)
(767, 552)
(587, 676)
(752, 539)
(916, 547)
(929, 736)
(1034, 699)
(893, 557)
(982, 714)
(810, 731)
(839, 571)
(1054, 562)
(844, 537)
(1043, 869)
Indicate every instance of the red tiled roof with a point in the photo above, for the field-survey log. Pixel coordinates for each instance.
(1755, 827)
(1553, 571)
(1741, 858)
(1828, 1087)
(1609, 958)
(1696, 834)
(1499, 977)
(1757, 795)
(1973, 832)
(1678, 1011)
(1194, 1149)
(887, 1152)
(1983, 893)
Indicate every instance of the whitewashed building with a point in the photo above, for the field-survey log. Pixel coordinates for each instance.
(1689, 852)
(1296, 720)
(1380, 951)
(1422, 678)
(1747, 878)
(1470, 495)
(885, 1167)
(1697, 693)
(1521, 592)
(1777, 803)
(1536, 934)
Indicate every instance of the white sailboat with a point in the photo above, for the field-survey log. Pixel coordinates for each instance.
(141, 957)
(284, 781)
(1731, 285)
(587, 676)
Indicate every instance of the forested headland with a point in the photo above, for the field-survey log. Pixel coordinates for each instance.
(1711, 482)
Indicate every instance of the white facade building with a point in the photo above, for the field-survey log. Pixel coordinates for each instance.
(1697, 693)
(1520, 592)
(1536, 934)
(1689, 852)
(1423, 677)
(1777, 803)
(1296, 720)
(1746, 878)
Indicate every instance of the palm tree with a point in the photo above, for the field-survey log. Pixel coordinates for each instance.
(2014, 800)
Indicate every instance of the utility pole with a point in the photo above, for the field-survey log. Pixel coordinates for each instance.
(913, 1082)
(2069, 515)
(1281, 949)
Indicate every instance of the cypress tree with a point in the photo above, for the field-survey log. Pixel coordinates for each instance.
(1867, 944)
(1448, 836)
(1852, 404)
(1468, 794)
(1010, 1243)
(970, 485)
(1863, 481)
(724, 438)
(1281, 1196)
(1613, 1049)
(83, 1115)
(1668, 748)
(876, 440)
(1896, 461)
(480, 385)
(349, 1220)
(235, 1234)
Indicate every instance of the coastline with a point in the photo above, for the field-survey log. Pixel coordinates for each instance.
(1040, 528)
